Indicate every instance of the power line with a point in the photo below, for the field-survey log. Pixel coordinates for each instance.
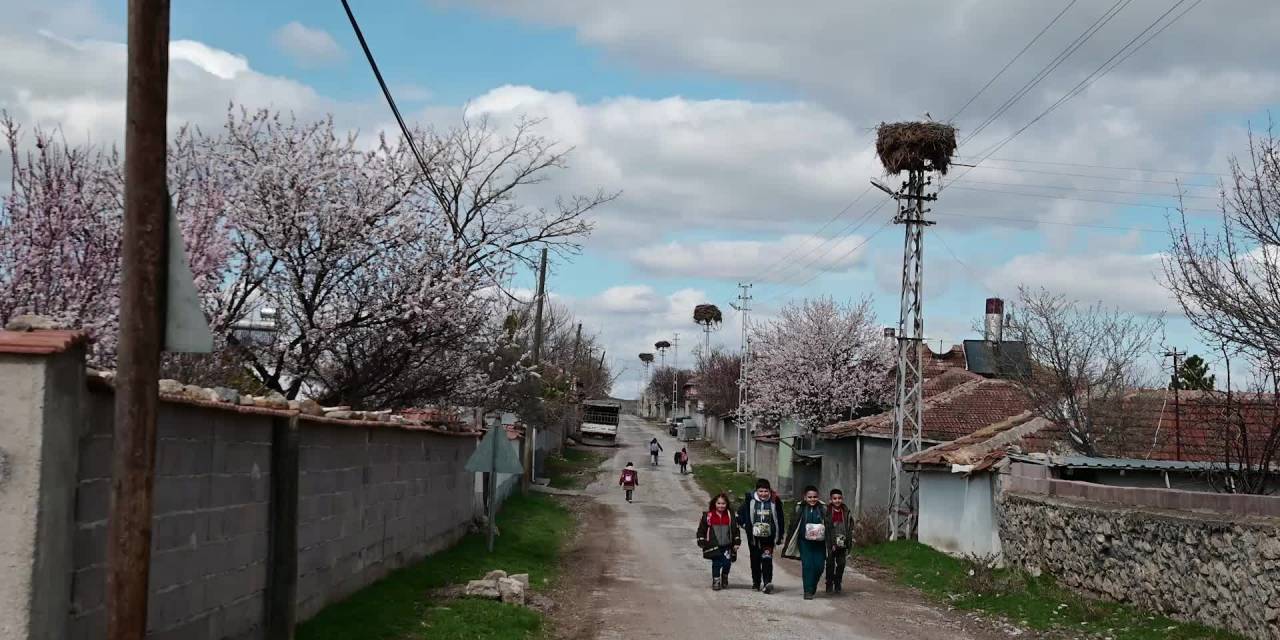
(1089, 190)
(1082, 225)
(1049, 68)
(826, 247)
(391, 102)
(1076, 175)
(848, 253)
(938, 234)
(1011, 61)
(793, 250)
(1093, 200)
(1101, 71)
(1108, 167)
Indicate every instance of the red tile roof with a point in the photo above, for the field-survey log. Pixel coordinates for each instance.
(43, 342)
(1150, 424)
(935, 364)
(957, 411)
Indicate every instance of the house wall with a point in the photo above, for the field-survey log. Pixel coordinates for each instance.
(766, 461)
(958, 513)
(1217, 569)
(840, 469)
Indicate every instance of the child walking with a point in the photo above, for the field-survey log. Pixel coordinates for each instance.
(808, 540)
(718, 538)
(630, 480)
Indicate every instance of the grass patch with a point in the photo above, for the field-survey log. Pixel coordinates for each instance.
(715, 477)
(1039, 603)
(573, 468)
(532, 529)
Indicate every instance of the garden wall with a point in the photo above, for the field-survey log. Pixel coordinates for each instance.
(1217, 569)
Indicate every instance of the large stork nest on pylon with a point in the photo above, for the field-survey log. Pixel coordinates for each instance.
(915, 146)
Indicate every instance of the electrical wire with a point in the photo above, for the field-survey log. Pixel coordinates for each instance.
(825, 248)
(828, 223)
(1049, 68)
(846, 255)
(1093, 200)
(391, 102)
(1106, 167)
(1077, 175)
(1101, 71)
(1011, 61)
(938, 235)
(1031, 221)
(1090, 190)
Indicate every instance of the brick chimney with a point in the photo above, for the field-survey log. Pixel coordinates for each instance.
(890, 333)
(993, 324)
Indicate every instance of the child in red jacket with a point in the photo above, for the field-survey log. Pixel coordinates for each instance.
(630, 480)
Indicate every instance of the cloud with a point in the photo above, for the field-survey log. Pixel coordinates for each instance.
(791, 258)
(1125, 281)
(308, 47)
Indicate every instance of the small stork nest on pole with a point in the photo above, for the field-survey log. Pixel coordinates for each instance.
(707, 315)
(915, 146)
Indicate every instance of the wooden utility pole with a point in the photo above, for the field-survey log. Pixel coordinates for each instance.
(143, 257)
(531, 432)
(1177, 404)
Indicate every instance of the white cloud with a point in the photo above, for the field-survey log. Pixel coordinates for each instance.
(307, 46)
(791, 258)
(1126, 281)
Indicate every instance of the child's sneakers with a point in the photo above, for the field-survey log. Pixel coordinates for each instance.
(715, 584)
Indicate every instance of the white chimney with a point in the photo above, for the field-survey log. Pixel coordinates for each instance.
(993, 325)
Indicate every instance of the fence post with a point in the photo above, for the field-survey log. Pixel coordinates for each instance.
(282, 578)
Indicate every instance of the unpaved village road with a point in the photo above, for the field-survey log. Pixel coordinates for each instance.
(637, 573)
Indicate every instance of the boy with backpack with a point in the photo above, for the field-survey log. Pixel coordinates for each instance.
(839, 540)
(654, 448)
(761, 517)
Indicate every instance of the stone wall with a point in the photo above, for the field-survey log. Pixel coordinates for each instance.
(1215, 569)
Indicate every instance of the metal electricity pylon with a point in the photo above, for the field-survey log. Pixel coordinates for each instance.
(908, 414)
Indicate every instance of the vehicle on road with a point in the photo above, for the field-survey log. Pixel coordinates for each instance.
(600, 418)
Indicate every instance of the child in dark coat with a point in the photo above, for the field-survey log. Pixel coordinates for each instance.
(719, 539)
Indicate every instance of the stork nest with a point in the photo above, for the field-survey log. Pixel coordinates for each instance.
(915, 146)
(707, 314)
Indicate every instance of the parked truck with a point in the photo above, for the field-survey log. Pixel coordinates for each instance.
(600, 418)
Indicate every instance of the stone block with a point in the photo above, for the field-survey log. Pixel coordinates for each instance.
(511, 591)
(483, 589)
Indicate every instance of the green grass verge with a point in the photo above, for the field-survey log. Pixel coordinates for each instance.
(715, 477)
(574, 468)
(1039, 603)
(396, 608)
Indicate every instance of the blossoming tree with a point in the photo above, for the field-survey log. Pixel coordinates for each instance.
(817, 362)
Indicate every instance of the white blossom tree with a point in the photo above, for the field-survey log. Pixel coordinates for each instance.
(817, 362)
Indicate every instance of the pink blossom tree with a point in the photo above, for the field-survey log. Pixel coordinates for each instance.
(60, 231)
(817, 362)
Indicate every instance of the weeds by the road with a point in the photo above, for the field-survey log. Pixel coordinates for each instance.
(1035, 602)
(532, 530)
(574, 469)
(715, 477)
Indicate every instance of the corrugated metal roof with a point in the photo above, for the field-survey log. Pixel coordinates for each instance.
(1124, 464)
(1002, 359)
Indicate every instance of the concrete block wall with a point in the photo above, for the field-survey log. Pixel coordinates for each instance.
(374, 499)
(210, 526)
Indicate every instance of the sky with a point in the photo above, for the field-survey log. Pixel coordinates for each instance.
(740, 134)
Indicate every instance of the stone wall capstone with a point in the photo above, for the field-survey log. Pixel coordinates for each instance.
(1214, 569)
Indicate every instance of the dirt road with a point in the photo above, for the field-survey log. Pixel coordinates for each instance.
(637, 572)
